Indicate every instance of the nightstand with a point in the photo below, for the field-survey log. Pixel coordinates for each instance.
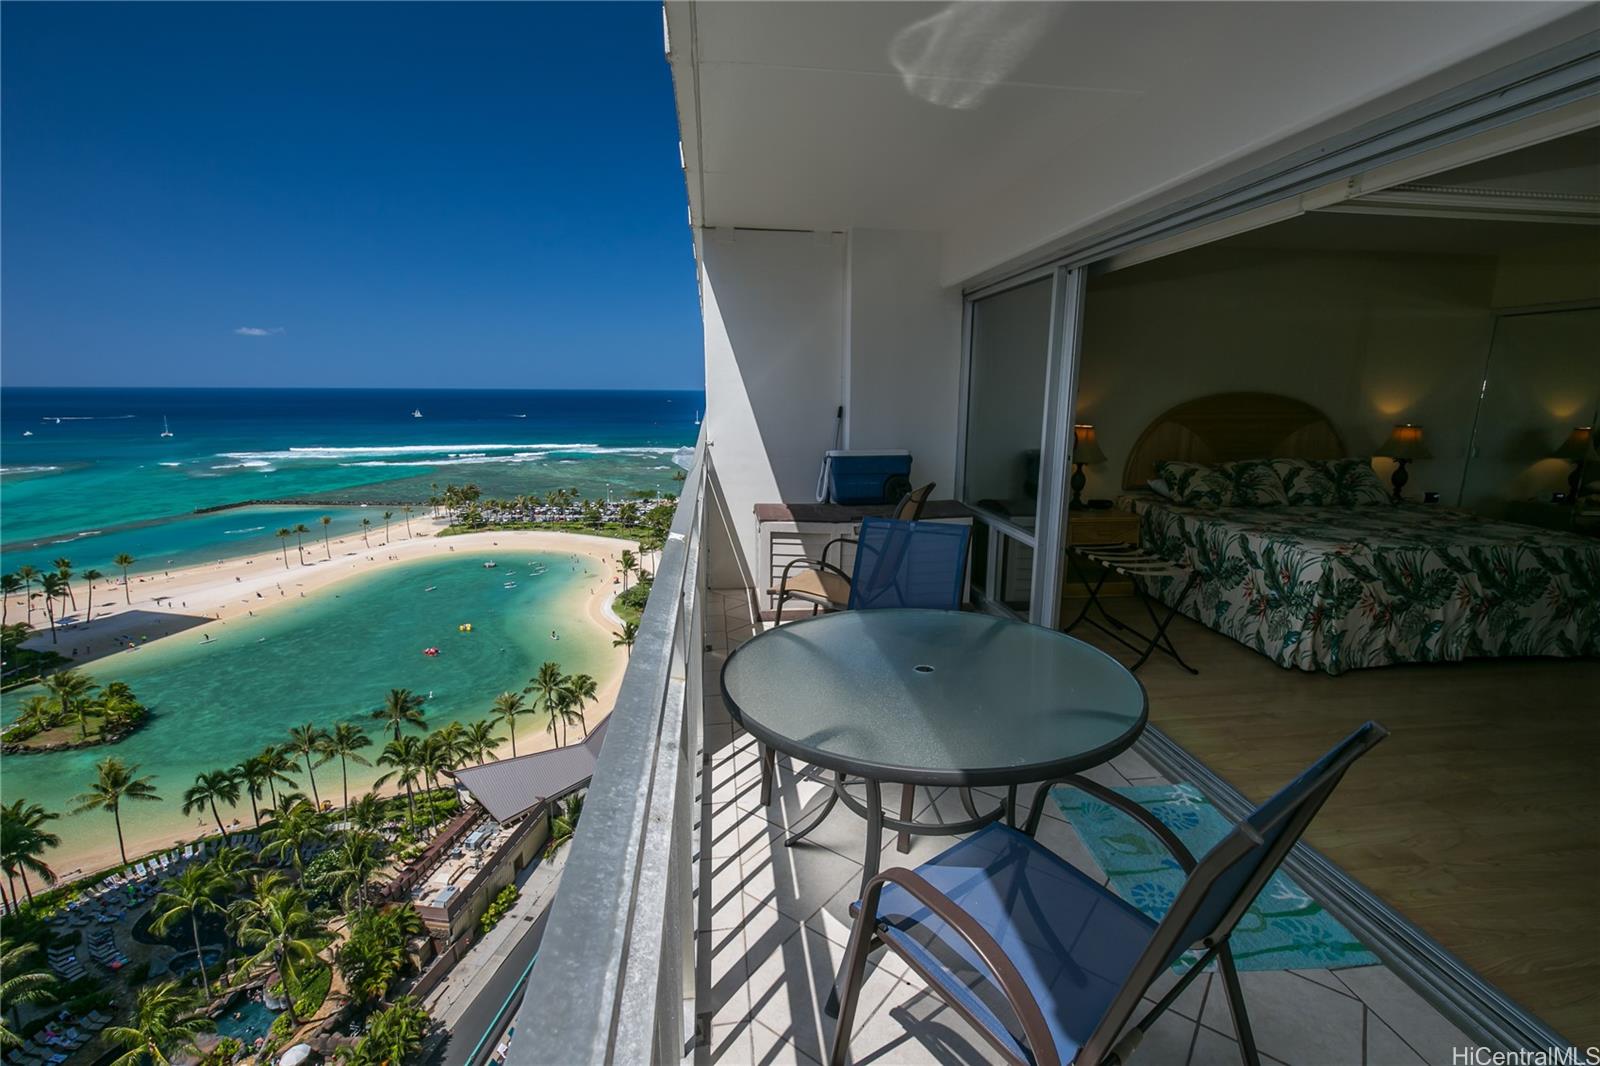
(1086, 527)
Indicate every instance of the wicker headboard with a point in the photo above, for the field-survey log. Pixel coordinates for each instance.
(1232, 425)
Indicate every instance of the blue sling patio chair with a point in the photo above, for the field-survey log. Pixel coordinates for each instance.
(825, 585)
(1048, 965)
(898, 565)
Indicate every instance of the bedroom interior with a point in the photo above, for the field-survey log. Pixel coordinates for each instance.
(1443, 335)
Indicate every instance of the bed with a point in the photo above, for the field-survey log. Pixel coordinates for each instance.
(1301, 557)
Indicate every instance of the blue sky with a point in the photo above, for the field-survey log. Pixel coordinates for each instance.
(345, 194)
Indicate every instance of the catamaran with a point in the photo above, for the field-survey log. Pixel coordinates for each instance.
(416, 412)
(166, 430)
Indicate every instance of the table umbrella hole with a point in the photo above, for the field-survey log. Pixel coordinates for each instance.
(923, 669)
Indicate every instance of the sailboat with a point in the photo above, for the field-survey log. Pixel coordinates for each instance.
(697, 416)
(166, 430)
(416, 412)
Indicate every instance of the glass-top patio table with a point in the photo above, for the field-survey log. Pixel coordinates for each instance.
(940, 698)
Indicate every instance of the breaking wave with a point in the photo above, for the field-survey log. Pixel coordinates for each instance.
(446, 454)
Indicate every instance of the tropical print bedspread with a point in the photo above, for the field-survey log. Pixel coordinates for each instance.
(1340, 588)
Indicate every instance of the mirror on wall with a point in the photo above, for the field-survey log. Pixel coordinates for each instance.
(1541, 381)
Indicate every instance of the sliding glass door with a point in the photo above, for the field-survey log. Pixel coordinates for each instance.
(1020, 361)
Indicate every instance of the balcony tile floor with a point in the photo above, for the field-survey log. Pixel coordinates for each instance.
(779, 923)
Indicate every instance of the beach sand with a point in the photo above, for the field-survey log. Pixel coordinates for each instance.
(200, 599)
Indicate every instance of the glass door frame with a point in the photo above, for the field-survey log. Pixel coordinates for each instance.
(1048, 537)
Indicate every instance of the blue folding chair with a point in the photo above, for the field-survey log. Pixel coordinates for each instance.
(1050, 966)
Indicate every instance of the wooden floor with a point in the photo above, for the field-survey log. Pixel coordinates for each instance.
(1478, 819)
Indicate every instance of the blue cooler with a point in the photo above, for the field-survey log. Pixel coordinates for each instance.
(864, 477)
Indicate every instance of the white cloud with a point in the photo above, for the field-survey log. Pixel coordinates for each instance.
(257, 331)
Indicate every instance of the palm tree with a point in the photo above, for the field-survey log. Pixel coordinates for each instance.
(64, 572)
(438, 755)
(404, 754)
(20, 983)
(374, 952)
(90, 576)
(300, 531)
(10, 585)
(407, 509)
(568, 708)
(195, 891)
(346, 741)
(254, 774)
(326, 521)
(353, 865)
(165, 1022)
(297, 826)
(481, 739)
(23, 842)
(282, 929)
(545, 685)
(507, 708)
(71, 689)
(401, 707)
(627, 563)
(124, 560)
(584, 691)
(366, 524)
(305, 741)
(230, 863)
(386, 516)
(625, 639)
(564, 823)
(279, 763)
(393, 1035)
(26, 575)
(209, 787)
(367, 812)
(51, 585)
(114, 782)
(283, 535)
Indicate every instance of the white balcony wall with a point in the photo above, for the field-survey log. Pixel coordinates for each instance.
(902, 352)
(798, 324)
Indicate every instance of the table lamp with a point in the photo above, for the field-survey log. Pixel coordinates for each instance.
(1404, 444)
(1085, 449)
(1575, 449)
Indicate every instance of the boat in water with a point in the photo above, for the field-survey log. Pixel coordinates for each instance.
(509, 585)
(416, 412)
(166, 430)
(490, 565)
(27, 433)
(430, 588)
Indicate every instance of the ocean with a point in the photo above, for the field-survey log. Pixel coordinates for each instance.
(86, 473)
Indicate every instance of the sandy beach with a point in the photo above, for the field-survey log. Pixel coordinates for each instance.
(187, 604)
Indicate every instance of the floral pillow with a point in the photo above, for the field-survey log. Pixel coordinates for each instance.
(1306, 482)
(1355, 483)
(1254, 483)
(1196, 484)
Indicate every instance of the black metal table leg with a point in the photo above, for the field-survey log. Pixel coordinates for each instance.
(821, 814)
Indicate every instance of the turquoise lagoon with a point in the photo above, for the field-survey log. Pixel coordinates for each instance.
(329, 659)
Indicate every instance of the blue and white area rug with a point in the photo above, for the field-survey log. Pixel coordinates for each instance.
(1284, 929)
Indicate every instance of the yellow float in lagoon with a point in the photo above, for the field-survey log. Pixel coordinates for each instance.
(464, 627)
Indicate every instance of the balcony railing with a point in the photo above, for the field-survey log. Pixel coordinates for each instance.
(615, 977)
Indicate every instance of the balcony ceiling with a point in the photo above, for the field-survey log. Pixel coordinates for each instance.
(1008, 127)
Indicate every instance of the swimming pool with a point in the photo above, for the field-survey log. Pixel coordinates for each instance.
(254, 1020)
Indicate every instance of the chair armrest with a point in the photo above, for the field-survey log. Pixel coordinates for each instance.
(1139, 814)
(1012, 985)
(840, 541)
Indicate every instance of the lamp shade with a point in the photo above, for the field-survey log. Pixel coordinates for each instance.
(1576, 444)
(1405, 442)
(1085, 449)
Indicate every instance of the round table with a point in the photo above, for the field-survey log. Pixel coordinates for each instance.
(942, 698)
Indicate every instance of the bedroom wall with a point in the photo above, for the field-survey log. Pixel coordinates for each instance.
(1370, 338)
